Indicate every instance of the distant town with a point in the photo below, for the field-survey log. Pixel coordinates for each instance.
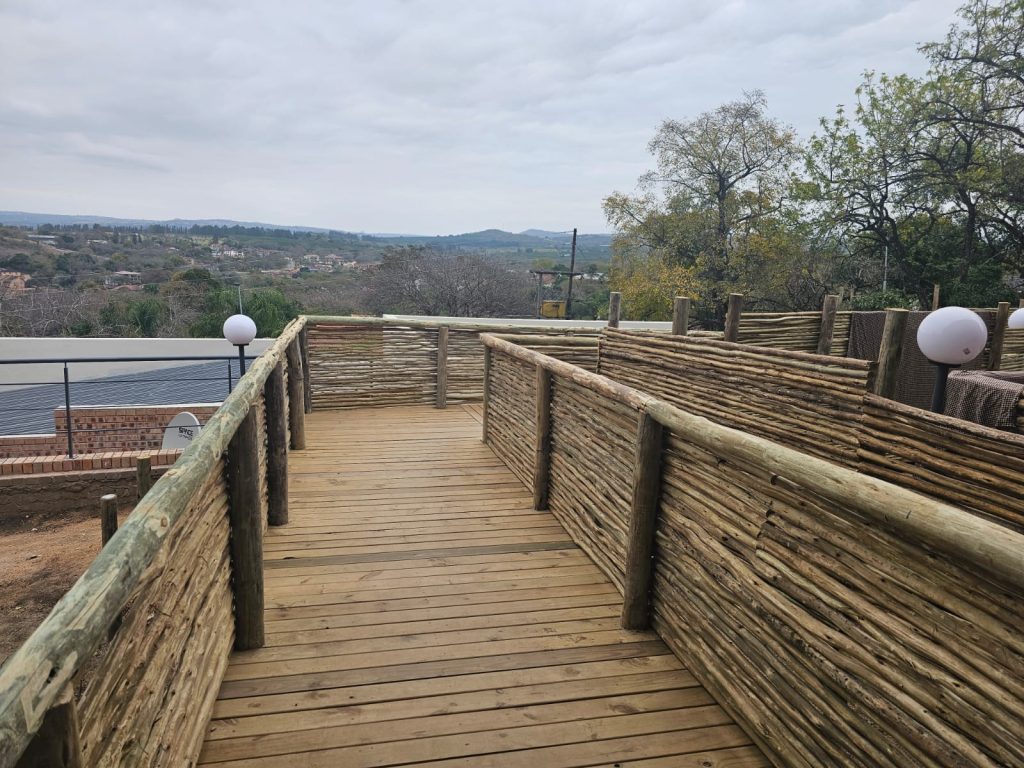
(125, 278)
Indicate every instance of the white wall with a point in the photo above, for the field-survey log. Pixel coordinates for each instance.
(61, 348)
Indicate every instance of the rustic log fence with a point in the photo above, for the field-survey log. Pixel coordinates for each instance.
(843, 620)
(824, 406)
(360, 362)
(175, 587)
(807, 401)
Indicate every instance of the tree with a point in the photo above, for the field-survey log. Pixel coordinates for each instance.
(719, 176)
(424, 282)
(719, 179)
(717, 157)
(268, 307)
(985, 52)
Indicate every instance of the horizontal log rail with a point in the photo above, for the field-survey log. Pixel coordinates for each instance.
(946, 528)
(494, 326)
(34, 677)
(841, 619)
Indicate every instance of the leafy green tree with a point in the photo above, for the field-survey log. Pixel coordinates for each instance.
(268, 307)
(717, 177)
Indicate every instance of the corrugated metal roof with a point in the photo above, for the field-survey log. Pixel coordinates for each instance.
(29, 410)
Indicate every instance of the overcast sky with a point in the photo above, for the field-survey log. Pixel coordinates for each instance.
(431, 117)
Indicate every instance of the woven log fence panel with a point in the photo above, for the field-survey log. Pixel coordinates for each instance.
(959, 462)
(1013, 351)
(363, 366)
(511, 414)
(150, 699)
(287, 401)
(583, 356)
(796, 400)
(831, 640)
(593, 441)
(465, 366)
(796, 331)
(260, 406)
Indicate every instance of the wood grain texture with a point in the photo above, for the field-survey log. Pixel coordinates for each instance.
(246, 534)
(842, 620)
(34, 676)
(891, 352)
(276, 404)
(511, 656)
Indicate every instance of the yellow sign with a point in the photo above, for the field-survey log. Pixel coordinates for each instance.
(552, 309)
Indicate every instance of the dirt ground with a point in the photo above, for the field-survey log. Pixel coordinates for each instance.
(39, 561)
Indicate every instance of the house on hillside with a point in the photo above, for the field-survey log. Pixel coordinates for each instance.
(14, 282)
(122, 278)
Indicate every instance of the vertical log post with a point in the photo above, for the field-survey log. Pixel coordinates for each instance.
(936, 294)
(995, 349)
(442, 366)
(296, 402)
(642, 523)
(108, 517)
(542, 440)
(732, 317)
(307, 382)
(277, 447)
(487, 393)
(143, 474)
(680, 315)
(828, 324)
(891, 352)
(108, 527)
(614, 308)
(247, 531)
(56, 744)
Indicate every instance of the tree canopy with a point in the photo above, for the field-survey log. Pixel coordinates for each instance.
(920, 182)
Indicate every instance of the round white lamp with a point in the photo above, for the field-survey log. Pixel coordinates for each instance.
(240, 330)
(1016, 321)
(950, 337)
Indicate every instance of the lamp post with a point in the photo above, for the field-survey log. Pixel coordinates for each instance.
(240, 330)
(950, 337)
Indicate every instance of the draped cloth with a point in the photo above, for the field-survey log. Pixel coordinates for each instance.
(915, 378)
(985, 397)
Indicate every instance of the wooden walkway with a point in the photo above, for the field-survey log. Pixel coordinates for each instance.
(420, 612)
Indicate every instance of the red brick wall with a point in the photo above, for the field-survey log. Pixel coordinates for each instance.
(36, 465)
(103, 429)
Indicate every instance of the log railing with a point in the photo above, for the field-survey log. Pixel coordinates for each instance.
(841, 619)
(824, 406)
(175, 588)
(359, 362)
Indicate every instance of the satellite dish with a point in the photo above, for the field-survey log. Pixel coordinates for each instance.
(183, 429)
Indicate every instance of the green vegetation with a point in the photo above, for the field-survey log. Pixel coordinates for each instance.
(926, 175)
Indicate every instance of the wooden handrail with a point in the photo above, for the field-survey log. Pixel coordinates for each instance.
(951, 530)
(34, 676)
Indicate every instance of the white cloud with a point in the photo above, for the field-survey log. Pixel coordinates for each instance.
(402, 115)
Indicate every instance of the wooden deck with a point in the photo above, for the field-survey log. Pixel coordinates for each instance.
(419, 611)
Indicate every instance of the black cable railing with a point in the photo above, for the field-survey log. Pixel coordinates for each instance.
(179, 384)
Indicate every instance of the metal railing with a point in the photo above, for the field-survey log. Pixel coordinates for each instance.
(24, 399)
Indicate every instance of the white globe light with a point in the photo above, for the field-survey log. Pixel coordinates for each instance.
(239, 330)
(952, 335)
(1016, 322)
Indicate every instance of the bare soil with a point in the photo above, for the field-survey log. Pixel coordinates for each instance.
(39, 561)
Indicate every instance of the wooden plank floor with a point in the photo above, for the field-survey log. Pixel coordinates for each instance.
(420, 612)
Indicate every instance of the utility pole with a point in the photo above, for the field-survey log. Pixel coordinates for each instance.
(885, 270)
(572, 274)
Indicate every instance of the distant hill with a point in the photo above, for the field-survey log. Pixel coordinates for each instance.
(26, 219)
(488, 239)
(497, 238)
